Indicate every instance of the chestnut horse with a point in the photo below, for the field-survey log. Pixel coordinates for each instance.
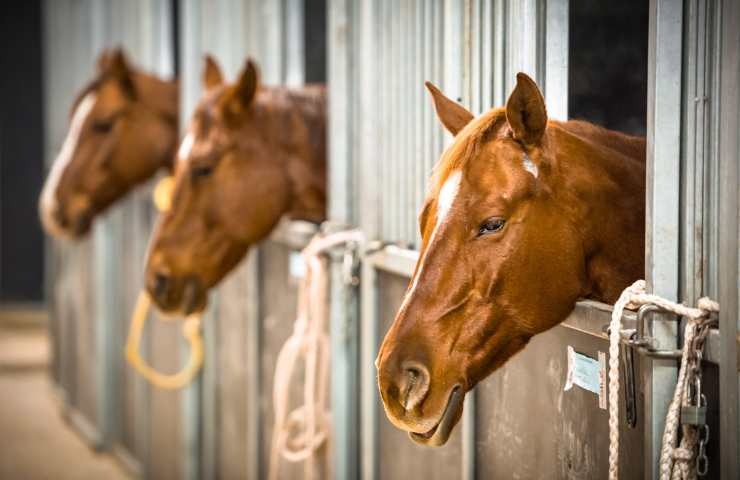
(524, 216)
(251, 154)
(123, 129)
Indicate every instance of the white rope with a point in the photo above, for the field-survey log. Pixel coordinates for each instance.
(299, 434)
(681, 457)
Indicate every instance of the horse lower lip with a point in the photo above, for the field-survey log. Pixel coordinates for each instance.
(451, 408)
(430, 433)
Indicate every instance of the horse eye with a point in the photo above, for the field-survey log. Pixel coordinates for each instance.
(492, 225)
(103, 126)
(202, 171)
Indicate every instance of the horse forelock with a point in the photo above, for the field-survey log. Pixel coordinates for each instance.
(465, 146)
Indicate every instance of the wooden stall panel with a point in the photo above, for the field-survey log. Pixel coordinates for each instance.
(400, 457)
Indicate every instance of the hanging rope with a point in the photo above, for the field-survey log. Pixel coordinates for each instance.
(298, 435)
(676, 461)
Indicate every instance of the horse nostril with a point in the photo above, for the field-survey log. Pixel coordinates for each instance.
(161, 284)
(59, 217)
(83, 222)
(414, 385)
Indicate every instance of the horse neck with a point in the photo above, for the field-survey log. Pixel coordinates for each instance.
(162, 97)
(603, 179)
(295, 126)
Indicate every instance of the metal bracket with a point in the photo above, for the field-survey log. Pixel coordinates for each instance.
(628, 366)
(636, 339)
(645, 344)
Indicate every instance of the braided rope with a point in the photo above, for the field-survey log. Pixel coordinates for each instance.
(681, 456)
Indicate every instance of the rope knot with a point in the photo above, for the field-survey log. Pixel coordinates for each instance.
(707, 305)
(682, 454)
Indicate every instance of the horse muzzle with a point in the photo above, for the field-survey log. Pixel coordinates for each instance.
(174, 295)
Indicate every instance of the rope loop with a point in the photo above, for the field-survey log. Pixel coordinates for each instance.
(191, 332)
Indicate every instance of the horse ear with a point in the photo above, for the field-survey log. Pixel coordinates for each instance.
(240, 96)
(118, 67)
(212, 76)
(525, 110)
(103, 60)
(453, 116)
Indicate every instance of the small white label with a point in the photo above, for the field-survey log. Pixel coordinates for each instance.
(296, 265)
(583, 371)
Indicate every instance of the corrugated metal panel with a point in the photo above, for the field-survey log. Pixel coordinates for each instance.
(230, 30)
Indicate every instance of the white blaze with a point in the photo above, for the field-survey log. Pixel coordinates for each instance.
(445, 200)
(185, 147)
(48, 194)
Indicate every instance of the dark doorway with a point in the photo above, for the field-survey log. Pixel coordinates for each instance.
(314, 39)
(608, 49)
(21, 152)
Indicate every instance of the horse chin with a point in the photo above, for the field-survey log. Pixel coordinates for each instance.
(192, 300)
(440, 433)
(75, 230)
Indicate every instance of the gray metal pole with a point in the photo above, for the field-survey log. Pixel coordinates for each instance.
(729, 317)
(662, 207)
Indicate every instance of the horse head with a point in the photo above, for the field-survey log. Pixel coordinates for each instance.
(251, 154)
(123, 128)
(522, 217)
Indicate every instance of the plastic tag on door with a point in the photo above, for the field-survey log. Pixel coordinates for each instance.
(582, 371)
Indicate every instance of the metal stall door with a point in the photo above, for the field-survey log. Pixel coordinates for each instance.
(138, 419)
(251, 313)
(68, 62)
(95, 286)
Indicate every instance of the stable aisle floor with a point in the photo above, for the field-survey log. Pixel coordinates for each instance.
(35, 443)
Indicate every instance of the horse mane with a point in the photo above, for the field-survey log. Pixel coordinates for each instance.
(480, 129)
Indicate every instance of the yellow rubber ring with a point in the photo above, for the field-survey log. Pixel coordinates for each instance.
(191, 332)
